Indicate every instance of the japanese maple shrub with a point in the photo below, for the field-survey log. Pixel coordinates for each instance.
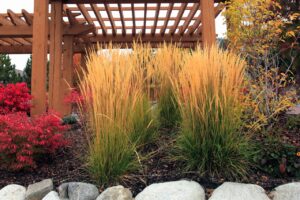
(14, 98)
(22, 139)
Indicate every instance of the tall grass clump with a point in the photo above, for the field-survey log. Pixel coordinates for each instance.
(168, 62)
(208, 92)
(117, 111)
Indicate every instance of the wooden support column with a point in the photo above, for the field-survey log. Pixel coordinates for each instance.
(55, 70)
(67, 73)
(208, 22)
(39, 56)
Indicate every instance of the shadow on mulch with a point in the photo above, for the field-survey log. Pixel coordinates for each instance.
(67, 165)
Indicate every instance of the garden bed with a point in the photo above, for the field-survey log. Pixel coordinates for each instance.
(67, 166)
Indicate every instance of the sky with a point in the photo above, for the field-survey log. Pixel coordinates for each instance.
(18, 5)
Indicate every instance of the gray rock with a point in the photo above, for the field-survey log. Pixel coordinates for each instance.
(39, 190)
(239, 191)
(294, 110)
(290, 191)
(82, 191)
(13, 192)
(115, 193)
(51, 196)
(176, 190)
(63, 190)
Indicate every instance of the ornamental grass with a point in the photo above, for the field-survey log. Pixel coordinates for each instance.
(168, 62)
(119, 115)
(208, 91)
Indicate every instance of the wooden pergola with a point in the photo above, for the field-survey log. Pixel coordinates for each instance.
(65, 27)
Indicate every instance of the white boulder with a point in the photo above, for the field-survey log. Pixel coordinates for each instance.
(13, 192)
(290, 191)
(176, 190)
(239, 191)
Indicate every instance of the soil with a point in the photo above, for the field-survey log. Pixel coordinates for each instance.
(67, 165)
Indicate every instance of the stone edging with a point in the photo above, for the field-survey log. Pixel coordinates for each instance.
(176, 190)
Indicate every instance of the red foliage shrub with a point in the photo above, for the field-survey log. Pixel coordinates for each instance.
(14, 98)
(23, 138)
(74, 97)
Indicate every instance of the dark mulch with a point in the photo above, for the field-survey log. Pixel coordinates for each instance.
(67, 165)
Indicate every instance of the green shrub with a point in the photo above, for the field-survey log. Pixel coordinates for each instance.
(277, 158)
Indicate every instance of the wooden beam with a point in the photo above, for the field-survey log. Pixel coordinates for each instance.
(67, 74)
(163, 30)
(129, 1)
(55, 70)
(39, 56)
(145, 19)
(189, 19)
(122, 19)
(26, 31)
(208, 22)
(156, 19)
(145, 38)
(180, 13)
(111, 19)
(133, 20)
(14, 18)
(99, 18)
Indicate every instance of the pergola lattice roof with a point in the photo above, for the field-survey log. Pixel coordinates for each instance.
(61, 28)
(121, 23)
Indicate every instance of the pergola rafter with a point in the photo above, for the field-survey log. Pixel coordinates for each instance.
(72, 26)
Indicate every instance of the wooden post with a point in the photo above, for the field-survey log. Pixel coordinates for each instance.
(208, 22)
(39, 56)
(67, 73)
(55, 71)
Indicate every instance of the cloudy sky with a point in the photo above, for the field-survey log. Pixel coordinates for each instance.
(18, 5)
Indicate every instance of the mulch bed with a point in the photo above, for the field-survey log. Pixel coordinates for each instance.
(67, 165)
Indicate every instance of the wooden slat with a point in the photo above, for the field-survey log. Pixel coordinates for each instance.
(180, 13)
(55, 70)
(163, 30)
(136, 18)
(156, 19)
(85, 13)
(122, 19)
(208, 22)
(196, 24)
(111, 19)
(11, 41)
(28, 17)
(39, 56)
(133, 19)
(99, 18)
(14, 18)
(145, 19)
(189, 19)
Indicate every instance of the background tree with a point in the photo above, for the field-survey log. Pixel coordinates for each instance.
(8, 72)
(27, 72)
